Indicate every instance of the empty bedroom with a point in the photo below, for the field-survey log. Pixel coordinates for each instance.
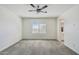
(38, 29)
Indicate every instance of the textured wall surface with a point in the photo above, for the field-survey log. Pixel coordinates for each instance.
(71, 28)
(10, 28)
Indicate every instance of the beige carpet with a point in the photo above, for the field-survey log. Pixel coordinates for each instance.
(38, 47)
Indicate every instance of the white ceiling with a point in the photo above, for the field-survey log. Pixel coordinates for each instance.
(53, 10)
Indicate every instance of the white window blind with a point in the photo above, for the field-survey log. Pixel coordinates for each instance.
(38, 28)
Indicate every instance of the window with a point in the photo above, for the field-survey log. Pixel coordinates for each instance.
(38, 28)
(35, 28)
(42, 28)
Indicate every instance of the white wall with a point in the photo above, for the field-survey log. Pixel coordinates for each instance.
(71, 35)
(10, 28)
(51, 29)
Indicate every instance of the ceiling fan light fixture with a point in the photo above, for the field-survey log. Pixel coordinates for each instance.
(38, 10)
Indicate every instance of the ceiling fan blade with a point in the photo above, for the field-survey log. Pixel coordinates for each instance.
(31, 10)
(37, 6)
(32, 5)
(43, 11)
(44, 7)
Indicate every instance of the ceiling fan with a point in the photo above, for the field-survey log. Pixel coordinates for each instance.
(38, 9)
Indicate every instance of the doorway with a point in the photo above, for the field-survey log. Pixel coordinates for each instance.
(60, 27)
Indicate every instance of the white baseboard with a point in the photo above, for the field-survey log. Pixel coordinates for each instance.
(7, 46)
